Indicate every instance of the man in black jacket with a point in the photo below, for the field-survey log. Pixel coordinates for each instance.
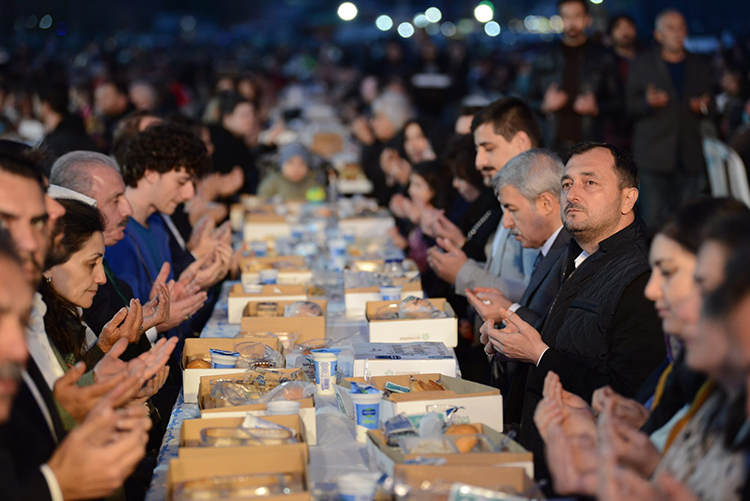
(668, 94)
(600, 328)
(574, 85)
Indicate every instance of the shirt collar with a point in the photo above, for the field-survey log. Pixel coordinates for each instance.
(581, 258)
(551, 240)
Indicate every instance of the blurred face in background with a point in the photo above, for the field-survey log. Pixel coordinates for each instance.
(295, 169)
(416, 144)
(671, 32)
(575, 21)
(382, 127)
(241, 121)
(468, 191)
(420, 191)
(624, 33)
(493, 151)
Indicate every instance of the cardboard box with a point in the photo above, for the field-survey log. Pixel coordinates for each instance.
(356, 299)
(208, 411)
(444, 330)
(260, 226)
(238, 299)
(478, 403)
(292, 269)
(308, 327)
(198, 348)
(386, 458)
(187, 467)
(389, 359)
(190, 432)
(364, 227)
(489, 477)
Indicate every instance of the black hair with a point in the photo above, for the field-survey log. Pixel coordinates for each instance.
(584, 3)
(62, 322)
(509, 116)
(127, 128)
(733, 233)
(22, 160)
(432, 172)
(163, 148)
(459, 157)
(56, 98)
(693, 221)
(616, 19)
(466, 110)
(625, 166)
(228, 102)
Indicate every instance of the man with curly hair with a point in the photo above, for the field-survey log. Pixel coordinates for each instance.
(158, 168)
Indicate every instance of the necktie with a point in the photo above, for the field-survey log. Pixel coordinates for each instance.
(537, 262)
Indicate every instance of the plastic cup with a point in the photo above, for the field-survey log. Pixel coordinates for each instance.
(268, 277)
(259, 248)
(283, 407)
(357, 486)
(337, 247)
(325, 371)
(367, 410)
(221, 359)
(390, 292)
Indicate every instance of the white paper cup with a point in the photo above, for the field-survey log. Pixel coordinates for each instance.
(259, 248)
(268, 277)
(357, 486)
(390, 292)
(367, 412)
(283, 407)
(325, 372)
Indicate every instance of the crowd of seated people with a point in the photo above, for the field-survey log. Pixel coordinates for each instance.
(596, 282)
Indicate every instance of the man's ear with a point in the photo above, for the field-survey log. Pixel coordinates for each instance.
(521, 141)
(151, 176)
(629, 198)
(547, 203)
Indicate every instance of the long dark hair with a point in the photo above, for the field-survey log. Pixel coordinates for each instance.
(63, 323)
(439, 181)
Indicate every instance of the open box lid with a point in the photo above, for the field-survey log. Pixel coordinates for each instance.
(488, 477)
(454, 387)
(373, 306)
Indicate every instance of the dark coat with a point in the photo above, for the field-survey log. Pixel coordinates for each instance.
(601, 330)
(598, 74)
(667, 140)
(231, 151)
(536, 300)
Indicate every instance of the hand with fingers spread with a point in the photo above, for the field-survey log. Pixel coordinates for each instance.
(628, 446)
(445, 228)
(97, 456)
(487, 301)
(446, 264)
(156, 311)
(586, 105)
(518, 340)
(656, 98)
(223, 233)
(201, 239)
(152, 386)
(79, 400)
(577, 418)
(126, 324)
(554, 99)
(628, 410)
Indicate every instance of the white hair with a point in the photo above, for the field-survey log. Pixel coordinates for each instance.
(532, 173)
(395, 106)
(71, 170)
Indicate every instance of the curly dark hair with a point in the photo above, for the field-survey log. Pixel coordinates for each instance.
(163, 148)
(62, 322)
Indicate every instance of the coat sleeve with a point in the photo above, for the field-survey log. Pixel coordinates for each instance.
(636, 348)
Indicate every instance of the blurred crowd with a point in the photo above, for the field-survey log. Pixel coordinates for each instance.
(559, 197)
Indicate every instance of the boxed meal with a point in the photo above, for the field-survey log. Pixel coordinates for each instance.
(356, 298)
(367, 226)
(196, 350)
(439, 477)
(387, 457)
(231, 474)
(388, 359)
(392, 322)
(292, 270)
(209, 409)
(260, 226)
(263, 316)
(477, 403)
(238, 298)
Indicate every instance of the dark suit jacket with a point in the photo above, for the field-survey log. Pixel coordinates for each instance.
(542, 289)
(29, 438)
(598, 74)
(13, 486)
(668, 139)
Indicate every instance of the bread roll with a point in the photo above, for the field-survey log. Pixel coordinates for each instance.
(198, 364)
(462, 429)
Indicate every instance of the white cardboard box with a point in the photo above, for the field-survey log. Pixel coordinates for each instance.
(199, 347)
(363, 227)
(259, 227)
(442, 330)
(478, 403)
(238, 299)
(302, 277)
(389, 359)
(356, 299)
(308, 327)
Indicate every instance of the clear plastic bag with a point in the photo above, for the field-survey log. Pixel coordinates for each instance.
(257, 355)
(303, 309)
(292, 390)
